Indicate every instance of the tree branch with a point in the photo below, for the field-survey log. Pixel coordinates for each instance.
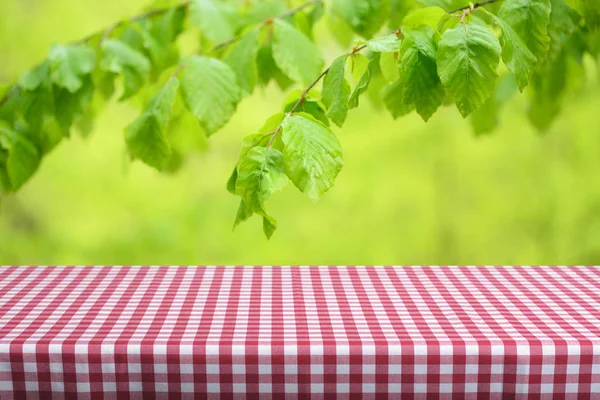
(149, 14)
(472, 6)
(312, 85)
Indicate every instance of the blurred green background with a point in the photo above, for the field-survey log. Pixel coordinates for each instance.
(409, 193)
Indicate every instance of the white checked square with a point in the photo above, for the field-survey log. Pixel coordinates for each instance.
(571, 388)
(496, 387)
(343, 388)
(394, 369)
(420, 369)
(187, 387)
(471, 387)
(291, 388)
(134, 368)
(186, 369)
(161, 387)
(546, 388)
(343, 369)
(497, 369)
(368, 387)
(368, 369)
(213, 388)
(29, 367)
(394, 388)
(56, 367)
(239, 388)
(108, 368)
(264, 369)
(446, 369)
(110, 386)
(420, 388)
(264, 350)
(471, 369)
(316, 369)
(547, 369)
(58, 387)
(212, 368)
(265, 388)
(238, 369)
(445, 388)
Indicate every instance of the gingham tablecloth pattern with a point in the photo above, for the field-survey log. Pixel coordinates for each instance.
(299, 332)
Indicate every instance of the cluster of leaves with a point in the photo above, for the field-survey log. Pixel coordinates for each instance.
(433, 57)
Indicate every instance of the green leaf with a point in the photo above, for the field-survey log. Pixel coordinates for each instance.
(269, 226)
(69, 64)
(242, 60)
(467, 59)
(398, 10)
(516, 55)
(33, 79)
(158, 38)
(268, 70)
(147, 137)
(243, 213)
(340, 30)
(366, 17)
(363, 83)
(385, 44)
(564, 23)
(312, 154)
(336, 92)
(388, 64)
(547, 91)
(120, 58)
(214, 18)
(262, 139)
(393, 99)
(23, 157)
(529, 19)
(231, 181)
(260, 11)
(310, 104)
(210, 91)
(260, 174)
(69, 106)
(589, 9)
(486, 118)
(295, 54)
(418, 73)
(428, 16)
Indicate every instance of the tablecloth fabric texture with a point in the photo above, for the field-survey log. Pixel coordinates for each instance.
(299, 332)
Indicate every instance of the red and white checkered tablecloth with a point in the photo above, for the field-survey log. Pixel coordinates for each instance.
(299, 332)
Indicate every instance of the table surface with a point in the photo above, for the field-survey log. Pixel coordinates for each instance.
(287, 332)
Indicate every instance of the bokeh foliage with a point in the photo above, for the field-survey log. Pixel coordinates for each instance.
(409, 193)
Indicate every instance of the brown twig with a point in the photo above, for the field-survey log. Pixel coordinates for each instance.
(304, 93)
(472, 6)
